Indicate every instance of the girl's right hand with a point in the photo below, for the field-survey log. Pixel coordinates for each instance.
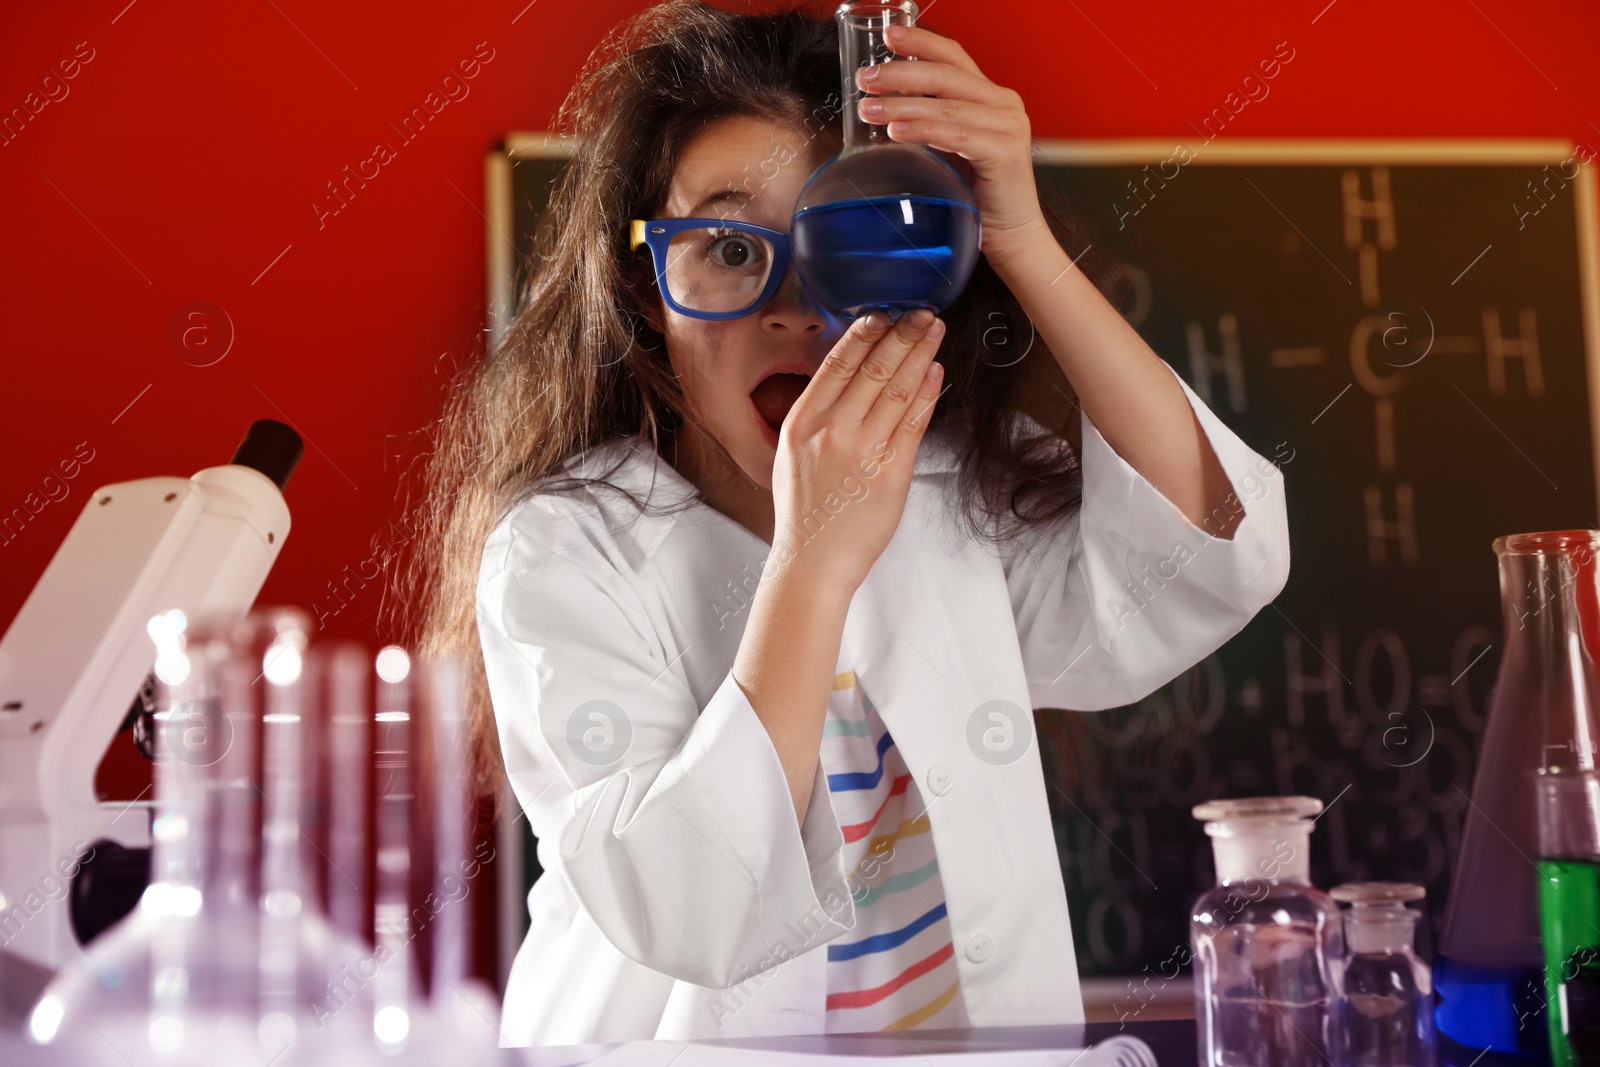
(846, 449)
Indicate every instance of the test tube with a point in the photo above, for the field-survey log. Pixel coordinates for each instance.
(349, 722)
(443, 686)
(283, 895)
(392, 984)
(192, 669)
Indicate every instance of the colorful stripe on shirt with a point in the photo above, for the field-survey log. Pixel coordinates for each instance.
(898, 969)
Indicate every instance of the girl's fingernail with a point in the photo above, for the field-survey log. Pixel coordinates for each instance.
(895, 33)
(935, 371)
(869, 73)
(936, 331)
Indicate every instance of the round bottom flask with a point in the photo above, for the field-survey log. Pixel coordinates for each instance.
(882, 225)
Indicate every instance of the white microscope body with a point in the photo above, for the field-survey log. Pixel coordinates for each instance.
(78, 653)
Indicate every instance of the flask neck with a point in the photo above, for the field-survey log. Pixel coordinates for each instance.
(1279, 852)
(862, 44)
(1550, 599)
(1542, 584)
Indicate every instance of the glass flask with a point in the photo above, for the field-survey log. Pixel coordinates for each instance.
(1568, 809)
(882, 225)
(1385, 1015)
(1489, 968)
(1267, 944)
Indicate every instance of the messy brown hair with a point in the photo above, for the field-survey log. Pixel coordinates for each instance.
(580, 363)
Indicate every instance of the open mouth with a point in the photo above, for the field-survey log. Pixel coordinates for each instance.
(775, 394)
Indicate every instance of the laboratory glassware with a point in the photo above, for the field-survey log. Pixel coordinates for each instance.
(1385, 1011)
(883, 224)
(1489, 967)
(229, 956)
(1268, 946)
(1567, 804)
(220, 946)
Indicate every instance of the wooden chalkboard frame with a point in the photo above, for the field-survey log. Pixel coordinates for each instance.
(501, 274)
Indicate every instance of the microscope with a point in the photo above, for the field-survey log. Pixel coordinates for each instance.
(75, 672)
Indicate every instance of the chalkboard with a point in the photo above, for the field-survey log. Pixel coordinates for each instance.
(1408, 329)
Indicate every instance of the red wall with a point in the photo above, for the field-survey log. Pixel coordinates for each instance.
(185, 159)
(190, 149)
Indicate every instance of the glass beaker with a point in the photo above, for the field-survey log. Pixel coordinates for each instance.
(1268, 945)
(882, 225)
(1385, 1012)
(1489, 969)
(1568, 808)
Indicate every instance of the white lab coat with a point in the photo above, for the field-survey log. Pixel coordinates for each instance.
(678, 869)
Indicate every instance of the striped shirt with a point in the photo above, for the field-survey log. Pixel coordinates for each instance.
(896, 970)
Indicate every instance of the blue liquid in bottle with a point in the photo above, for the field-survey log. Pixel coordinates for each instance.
(892, 253)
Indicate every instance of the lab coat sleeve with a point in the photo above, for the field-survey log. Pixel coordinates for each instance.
(675, 825)
(1127, 593)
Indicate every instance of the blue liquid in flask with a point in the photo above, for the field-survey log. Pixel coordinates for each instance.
(1498, 1008)
(883, 225)
(893, 253)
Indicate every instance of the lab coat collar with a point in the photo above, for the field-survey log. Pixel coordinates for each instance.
(668, 495)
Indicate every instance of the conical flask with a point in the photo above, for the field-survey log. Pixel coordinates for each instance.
(882, 225)
(1542, 718)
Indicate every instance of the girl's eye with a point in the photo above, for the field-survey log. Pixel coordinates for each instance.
(736, 250)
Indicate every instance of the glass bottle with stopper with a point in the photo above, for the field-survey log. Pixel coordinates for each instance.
(883, 224)
(1268, 946)
(1385, 1016)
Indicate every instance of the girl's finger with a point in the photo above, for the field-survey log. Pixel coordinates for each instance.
(878, 369)
(952, 137)
(901, 390)
(926, 78)
(911, 108)
(841, 364)
(914, 423)
(925, 44)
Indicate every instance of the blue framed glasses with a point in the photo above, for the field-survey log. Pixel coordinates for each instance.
(713, 268)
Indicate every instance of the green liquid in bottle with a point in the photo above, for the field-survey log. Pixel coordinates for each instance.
(1569, 921)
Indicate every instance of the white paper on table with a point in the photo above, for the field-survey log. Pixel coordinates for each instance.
(1119, 1051)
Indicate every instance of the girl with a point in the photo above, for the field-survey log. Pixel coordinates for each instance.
(765, 603)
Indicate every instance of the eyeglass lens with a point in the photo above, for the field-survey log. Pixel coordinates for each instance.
(716, 268)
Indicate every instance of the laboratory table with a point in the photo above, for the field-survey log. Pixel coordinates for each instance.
(1171, 1041)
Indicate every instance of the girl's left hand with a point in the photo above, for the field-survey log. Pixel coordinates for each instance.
(957, 111)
